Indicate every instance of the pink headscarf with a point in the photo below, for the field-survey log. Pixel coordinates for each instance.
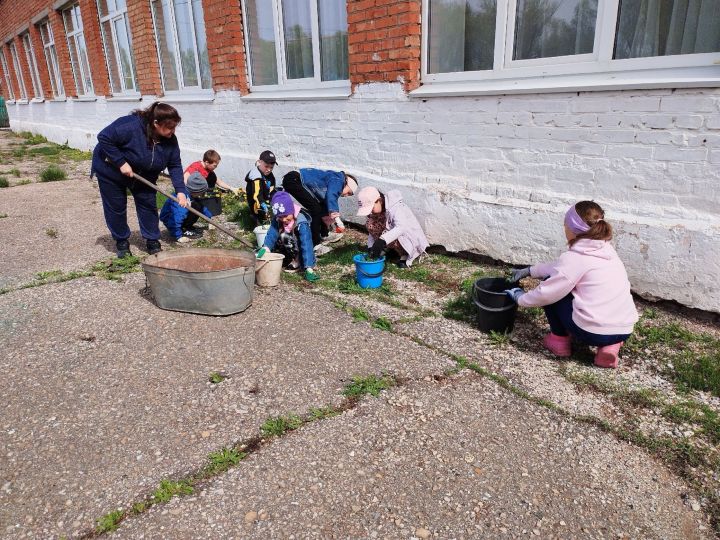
(574, 222)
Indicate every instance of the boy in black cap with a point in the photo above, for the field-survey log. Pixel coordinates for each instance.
(178, 220)
(261, 186)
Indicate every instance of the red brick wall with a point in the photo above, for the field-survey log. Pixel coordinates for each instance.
(40, 61)
(93, 40)
(384, 41)
(226, 45)
(147, 65)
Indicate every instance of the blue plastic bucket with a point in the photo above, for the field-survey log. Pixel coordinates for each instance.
(368, 273)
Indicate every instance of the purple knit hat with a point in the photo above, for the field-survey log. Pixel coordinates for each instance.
(574, 222)
(282, 204)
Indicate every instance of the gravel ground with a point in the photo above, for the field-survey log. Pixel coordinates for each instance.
(459, 459)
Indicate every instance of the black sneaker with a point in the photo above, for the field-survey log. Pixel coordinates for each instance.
(192, 234)
(153, 246)
(123, 248)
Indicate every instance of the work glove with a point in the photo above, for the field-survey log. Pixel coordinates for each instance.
(519, 273)
(515, 293)
(264, 208)
(377, 248)
(261, 252)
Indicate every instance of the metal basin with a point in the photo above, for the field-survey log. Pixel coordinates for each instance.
(205, 281)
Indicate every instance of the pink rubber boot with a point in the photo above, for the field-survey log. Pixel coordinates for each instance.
(558, 345)
(607, 356)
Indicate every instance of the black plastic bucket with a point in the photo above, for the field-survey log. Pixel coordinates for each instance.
(496, 310)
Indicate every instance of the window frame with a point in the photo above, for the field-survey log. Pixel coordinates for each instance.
(18, 71)
(31, 59)
(591, 71)
(6, 73)
(51, 59)
(284, 84)
(112, 17)
(182, 90)
(73, 35)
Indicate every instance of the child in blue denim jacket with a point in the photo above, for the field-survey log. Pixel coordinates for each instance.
(290, 235)
(178, 220)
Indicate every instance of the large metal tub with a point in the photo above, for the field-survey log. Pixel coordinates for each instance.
(205, 281)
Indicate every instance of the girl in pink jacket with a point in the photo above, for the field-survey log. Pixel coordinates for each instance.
(586, 292)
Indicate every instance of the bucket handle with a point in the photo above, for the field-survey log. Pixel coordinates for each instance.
(365, 274)
(496, 310)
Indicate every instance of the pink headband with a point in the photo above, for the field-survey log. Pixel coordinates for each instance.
(574, 222)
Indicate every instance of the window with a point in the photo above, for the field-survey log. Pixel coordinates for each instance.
(18, 70)
(51, 58)
(514, 39)
(32, 65)
(296, 43)
(182, 45)
(118, 45)
(8, 80)
(78, 51)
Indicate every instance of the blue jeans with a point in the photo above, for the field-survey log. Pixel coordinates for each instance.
(304, 238)
(114, 201)
(559, 315)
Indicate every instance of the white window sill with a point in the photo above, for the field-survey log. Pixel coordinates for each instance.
(82, 99)
(189, 97)
(57, 100)
(338, 92)
(10, 102)
(21, 102)
(122, 98)
(589, 82)
(37, 100)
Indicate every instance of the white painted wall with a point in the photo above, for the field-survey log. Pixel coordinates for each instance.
(490, 174)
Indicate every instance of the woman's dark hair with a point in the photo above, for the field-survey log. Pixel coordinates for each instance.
(159, 112)
(591, 213)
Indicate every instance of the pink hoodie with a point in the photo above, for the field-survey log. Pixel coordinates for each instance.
(593, 272)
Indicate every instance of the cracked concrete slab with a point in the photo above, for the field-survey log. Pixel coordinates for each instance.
(457, 459)
(105, 394)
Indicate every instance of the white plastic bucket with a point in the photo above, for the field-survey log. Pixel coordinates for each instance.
(260, 233)
(268, 269)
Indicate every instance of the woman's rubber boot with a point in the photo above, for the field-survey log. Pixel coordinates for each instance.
(607, 356)
(122, 248)
(558, 345)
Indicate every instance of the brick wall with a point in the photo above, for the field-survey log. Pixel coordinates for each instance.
(384, 41)
(226, 45)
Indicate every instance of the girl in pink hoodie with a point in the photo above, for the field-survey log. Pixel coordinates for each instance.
(586, 292)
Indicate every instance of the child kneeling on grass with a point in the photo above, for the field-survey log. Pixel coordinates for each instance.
(586, 292)
(391, 225)
(290, 235)
(178, 220)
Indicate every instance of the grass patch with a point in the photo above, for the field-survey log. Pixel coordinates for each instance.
(499, 338)
(4, 182)
(383, 324)
(74, 154)
(160, 199)
(52, 173)
(341, 255)
(44, 151)
(223, 459)
(369, 385)
(19, 152)
(699, 372)
(24, 182)
(276, 426)
(320, 413)
(15, 172)
(216, 377)
(236, 209)
(52, 233)
(31, 138)
(169, 489)
(109, 522)
(3, 216)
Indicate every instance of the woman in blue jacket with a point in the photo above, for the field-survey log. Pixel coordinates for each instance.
(143, 142)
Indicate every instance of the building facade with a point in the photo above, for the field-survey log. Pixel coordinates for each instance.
(491, 116)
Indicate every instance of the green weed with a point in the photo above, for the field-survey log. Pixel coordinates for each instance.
(216, 377)
(169, 489)
(115, 268)
(24, 182)
(52, 173)
(52, 233)
(223, 459)
(19, 152)
(276, 426)
(31, 138)
(499, 338)
(44, 151)
(237, 210)
(383, 324)
(109, 522)
(699, 371)
(341, 255)
(74, 154)
(3, 215)
(15, 172)
(321, 413)
(371, 384)
(4, 182)
(359, 314)
(160, 199)
(139, 507)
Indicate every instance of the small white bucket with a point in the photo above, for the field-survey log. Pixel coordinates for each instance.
(260, 233)
(268, 269)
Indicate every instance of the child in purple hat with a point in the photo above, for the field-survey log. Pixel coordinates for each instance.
(586, 292)
(290, 235)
